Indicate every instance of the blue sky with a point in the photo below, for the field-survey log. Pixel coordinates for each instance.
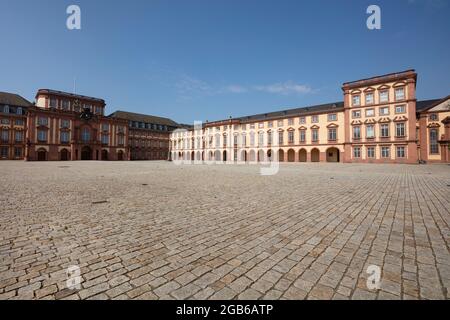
(211, 59)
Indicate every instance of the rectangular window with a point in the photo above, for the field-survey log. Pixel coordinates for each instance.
(64, 136)
(291, 136)
(105, 139)
(5, 121)
(261, 139)
(5, 135)
(17, 152)
(370, 131)
(42, 121)
(369, 98)
(384, 130)
(65, 105)
(332, 117)
(384, 96)
(370, 152)
(302, 135)
(384, 111)
(400, 109)
(434, 146)
(399, 94)
(280, 123)
(356, 152)
(302, 120)
(290, 122)
(19, 122)
(235, 141)
(42, 135)
(357, 132)
(19, 111)
(252, 139)
(269, 138)
(401, 152)
(314, 119)
(105, 127)
(53, 102)
(385, 152)
(270, 124)
(332, 134)
(261, 125)
(356, 114)
(4, 152)
(356, 100)
(315, 135)
(280, 138)
(400, 129)
(19, 136)
(370, 112)
(65, 124)
(244, 140)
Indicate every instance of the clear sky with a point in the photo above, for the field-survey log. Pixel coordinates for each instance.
(211, 59)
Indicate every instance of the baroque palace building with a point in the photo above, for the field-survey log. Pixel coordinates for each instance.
(379, 121)
(65, 126)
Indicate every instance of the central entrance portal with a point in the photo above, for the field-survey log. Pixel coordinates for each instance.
(86, 153)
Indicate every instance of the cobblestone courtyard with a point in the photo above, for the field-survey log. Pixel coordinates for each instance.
(154, 230)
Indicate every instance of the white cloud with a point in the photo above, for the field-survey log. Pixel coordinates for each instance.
(235, 89)
(285, 88)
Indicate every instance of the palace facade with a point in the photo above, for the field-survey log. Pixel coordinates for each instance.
(64, 126)
(379, 121)
(148, 135)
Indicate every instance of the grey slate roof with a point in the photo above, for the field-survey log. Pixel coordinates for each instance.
(13, 99)
(131, 116)
(427, 104)
(327, 107)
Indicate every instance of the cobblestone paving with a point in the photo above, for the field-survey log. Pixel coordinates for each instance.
(153, 230)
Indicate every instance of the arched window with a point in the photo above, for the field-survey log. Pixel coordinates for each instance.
(434, 146)
(85, 134)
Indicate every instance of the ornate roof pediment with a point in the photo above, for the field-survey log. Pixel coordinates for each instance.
(399, 84)
(356, 122)
(369, 89)
(315, 126)
(290, 129)
(302, 128)
(332, 125)
(383, 87)
(356, 91)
